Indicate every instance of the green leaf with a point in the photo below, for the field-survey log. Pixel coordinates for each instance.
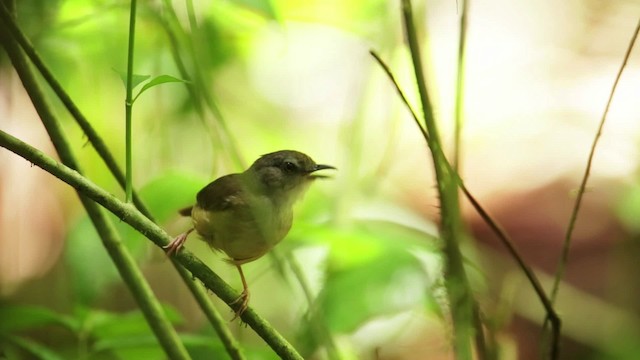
(124, 342)
(91, 268)
(128, 325)
(263, 7)
(388, 283)
(162, 79)
(170, 192)
(374, 269)
(40, 351)
(628, 208)
(136, 79)
(17, 318)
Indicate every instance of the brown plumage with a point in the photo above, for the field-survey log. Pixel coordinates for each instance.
(245, 215)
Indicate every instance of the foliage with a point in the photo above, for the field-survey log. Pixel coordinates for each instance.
(225, 102)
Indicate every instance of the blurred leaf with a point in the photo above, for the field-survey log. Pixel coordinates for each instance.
(371, 271)
(137, 79)
(628, 208)
(170, 192)
(389, 283)
(17, 318)
(263, 7)
(38, 350)
(131, 324)
(147, 340)
(90, 266)
(127, 335)
(162, 79)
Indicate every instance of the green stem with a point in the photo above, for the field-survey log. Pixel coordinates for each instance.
(320, 330)
(458, 289)
(480, 341)
(123, 261)
(142, 224)
(128, 104)
(552, 316)
(459, 104)
(92, 135)
(198, 292)
(212, 314)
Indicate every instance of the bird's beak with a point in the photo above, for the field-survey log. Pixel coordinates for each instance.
(320, 167)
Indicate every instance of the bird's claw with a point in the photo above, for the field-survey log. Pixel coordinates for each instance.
(243, 300)
(174, 246)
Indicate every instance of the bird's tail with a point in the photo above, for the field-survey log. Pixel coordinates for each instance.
(186, 211)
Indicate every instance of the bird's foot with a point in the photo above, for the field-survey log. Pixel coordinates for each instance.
(243, 300)
(174, 246)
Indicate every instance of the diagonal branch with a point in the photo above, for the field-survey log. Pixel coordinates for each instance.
(133, 217)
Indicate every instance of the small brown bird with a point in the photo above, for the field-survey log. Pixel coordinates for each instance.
(245, 215)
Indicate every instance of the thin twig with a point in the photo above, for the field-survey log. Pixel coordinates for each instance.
(404, 99)
(564, 256)
(459, 105)
(528, 272)
(583, 184)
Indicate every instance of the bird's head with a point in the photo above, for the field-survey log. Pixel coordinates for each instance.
(285, 174)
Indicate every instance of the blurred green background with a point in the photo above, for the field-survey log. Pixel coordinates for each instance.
(271, 75)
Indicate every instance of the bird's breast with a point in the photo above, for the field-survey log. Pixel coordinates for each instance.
(244, 233)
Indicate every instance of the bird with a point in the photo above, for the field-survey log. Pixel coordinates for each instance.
(245, 215)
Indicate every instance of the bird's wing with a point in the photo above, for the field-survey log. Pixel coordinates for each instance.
(224, 193)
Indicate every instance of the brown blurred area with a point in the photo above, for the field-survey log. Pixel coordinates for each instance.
(32, 203)
(600, 263)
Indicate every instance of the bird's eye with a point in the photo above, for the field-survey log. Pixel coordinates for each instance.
(290, 167)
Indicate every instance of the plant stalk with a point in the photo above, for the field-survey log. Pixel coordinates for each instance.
(128, 103)
(458, 289)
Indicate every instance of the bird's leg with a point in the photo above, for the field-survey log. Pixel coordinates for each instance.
(174, 246)
(243, 299)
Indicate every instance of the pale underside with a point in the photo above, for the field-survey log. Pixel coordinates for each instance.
(246, 230)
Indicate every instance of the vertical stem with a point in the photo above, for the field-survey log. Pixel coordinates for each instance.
(480, 340)
(319, 328)
(459, 105)
(128, 105)
(459, 292)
